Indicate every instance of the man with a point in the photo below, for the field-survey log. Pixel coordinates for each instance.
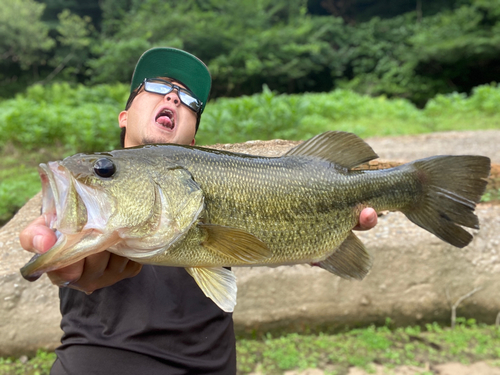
(135, 319)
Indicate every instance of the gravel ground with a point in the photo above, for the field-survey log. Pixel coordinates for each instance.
(402, 148)
(406, 148)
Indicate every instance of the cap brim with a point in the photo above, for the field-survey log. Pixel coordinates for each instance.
(176, 64)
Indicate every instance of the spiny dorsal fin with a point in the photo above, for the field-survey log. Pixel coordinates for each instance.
(235, 243)
(350, 260)
(341, 148)
(218, 284)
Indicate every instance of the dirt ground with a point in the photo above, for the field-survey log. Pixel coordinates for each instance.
(479, 368)
(452, 368)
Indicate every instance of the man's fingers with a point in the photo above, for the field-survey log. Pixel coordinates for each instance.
(132, 269)
(37, 237)
(67, 275)
(118, 264)
(367, 219)
(95, 272)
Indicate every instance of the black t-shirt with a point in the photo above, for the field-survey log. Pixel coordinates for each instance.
(158, 322)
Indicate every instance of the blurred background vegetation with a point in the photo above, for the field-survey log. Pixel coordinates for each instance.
(281, 69)
(411, 49)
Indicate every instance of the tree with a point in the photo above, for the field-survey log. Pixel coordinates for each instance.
(74, 41)
(23, 40)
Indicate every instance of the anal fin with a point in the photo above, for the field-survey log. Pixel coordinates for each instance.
(350, 260)
(218, 284)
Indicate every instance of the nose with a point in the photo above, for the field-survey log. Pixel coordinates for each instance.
(172, 96)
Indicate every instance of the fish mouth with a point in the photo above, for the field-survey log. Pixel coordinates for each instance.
(78, 224)
(68, 205)
(166, 118)
(55, 187)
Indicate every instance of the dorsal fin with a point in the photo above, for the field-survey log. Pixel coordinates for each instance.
(342, 148)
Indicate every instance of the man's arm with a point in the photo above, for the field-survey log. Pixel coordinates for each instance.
(105, 269)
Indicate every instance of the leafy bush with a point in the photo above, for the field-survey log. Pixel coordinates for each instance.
(269, 115)
(18, 183)
(75, 118)
(84, 119)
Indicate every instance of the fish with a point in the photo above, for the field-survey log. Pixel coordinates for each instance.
(209, 210)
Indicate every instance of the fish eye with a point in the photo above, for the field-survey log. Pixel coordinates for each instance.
(104, 167)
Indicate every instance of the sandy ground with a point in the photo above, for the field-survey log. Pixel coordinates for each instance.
(479, 368)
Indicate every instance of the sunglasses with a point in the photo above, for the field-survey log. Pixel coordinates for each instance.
(162, 87)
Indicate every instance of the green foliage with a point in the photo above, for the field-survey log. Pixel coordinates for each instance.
(278, 44)
(269, 115)
(79, 118)
(38, 365)
(18, 184)
(74, 45)
(74, 118)
(365, 347)
(24, 43)
(468, 342)
(22, 35)
(287, 57)
(409, 50)
(118, 59)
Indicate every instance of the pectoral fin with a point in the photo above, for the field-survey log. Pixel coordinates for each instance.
(350, 260)
(235, 243)
(218, 284)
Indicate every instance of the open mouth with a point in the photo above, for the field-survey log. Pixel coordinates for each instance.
(54, 190)
(68, 205)
(166, 119)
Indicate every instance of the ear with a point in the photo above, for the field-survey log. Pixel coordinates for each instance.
(122, 119)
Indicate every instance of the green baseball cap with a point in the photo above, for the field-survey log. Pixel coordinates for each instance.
(176, 64)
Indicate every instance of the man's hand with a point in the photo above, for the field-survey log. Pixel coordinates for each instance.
(367, 219)
(87, 275)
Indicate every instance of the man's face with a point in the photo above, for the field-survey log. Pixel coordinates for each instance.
(154, 118)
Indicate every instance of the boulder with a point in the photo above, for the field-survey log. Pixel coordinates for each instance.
(416, 278)
(29, 312)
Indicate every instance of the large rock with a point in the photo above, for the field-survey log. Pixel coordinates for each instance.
(29, 312)
(415, 278)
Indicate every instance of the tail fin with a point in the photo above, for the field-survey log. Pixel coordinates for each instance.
(452, 187)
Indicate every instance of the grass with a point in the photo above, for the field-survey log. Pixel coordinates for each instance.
(424, 347)
(335, 354)
(38, 365)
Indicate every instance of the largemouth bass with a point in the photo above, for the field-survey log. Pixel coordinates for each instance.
(206, 210)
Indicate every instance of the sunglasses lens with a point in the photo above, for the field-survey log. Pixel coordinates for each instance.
(188, 100)
(157, 87)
